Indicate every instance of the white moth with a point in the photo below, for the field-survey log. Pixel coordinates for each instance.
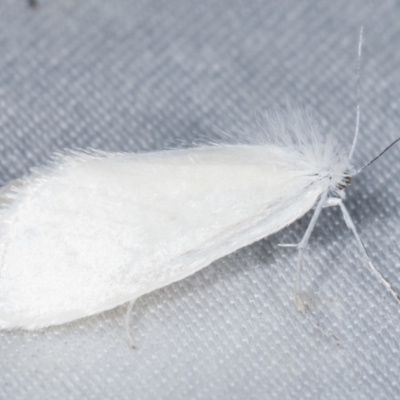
(92, 231)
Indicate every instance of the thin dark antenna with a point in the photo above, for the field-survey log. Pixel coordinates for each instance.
(360, 40)
(374, 159)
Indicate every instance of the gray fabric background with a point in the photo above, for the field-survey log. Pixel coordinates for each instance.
(149, 74)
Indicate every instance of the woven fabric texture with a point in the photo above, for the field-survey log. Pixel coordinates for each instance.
(143, 75)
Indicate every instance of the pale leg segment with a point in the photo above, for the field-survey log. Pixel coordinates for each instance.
(303, 244)
(299, 298)
(326, 201)
(128, 324)
(349, 222)
(332, 202)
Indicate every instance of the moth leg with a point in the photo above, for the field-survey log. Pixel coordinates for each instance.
(298, 298)
(128, 324)
(351, 226)
(333, 202)
(325, 201)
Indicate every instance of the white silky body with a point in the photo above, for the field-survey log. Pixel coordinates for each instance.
(93, 231)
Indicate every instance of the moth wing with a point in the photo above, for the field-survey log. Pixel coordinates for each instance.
(91, 232)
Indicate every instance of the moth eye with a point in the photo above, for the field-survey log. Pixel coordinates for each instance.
(347, 181)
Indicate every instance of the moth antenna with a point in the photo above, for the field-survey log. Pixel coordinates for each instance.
(360, 40)
(374, 159)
